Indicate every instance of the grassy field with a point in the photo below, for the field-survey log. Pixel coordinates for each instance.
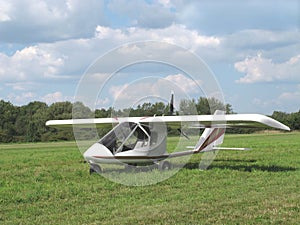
(48, 183)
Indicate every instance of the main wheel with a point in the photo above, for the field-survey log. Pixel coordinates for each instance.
(95, 168)
(164, 165)
(130, 167)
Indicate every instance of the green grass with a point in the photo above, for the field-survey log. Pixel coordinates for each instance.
(48, 183)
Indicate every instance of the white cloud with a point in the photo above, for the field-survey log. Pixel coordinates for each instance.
(156, 86)
(66, 59)
(22, 98)
(5, 7)
(55, 97)
(103, 103)
(260, 69)
(118, 91)
(227, 17)
(185, 83)
(287, 101)
(70, 58)
(165, 3)
(29, 63)
(278, 45)
(45, 20)
(262, 39)
(25, 97)
(151, 89)
(22, 86)
(145, 14)
(83, 38)
(175, 34)
(291, 96)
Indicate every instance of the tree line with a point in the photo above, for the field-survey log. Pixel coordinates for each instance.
(27, 123)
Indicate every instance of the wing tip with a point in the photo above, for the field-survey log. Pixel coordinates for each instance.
(286, 128)
(276, 124)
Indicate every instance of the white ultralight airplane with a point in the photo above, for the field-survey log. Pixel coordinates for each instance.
(142, 140)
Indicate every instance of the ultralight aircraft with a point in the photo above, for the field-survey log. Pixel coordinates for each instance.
(135, 141)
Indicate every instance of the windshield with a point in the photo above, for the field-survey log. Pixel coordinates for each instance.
(124, 137)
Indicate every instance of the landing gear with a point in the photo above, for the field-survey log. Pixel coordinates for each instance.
(130, 167)
(95, 168)
(164, 165)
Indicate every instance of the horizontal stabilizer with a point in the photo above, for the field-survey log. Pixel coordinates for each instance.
(223, 148)
(233, 149)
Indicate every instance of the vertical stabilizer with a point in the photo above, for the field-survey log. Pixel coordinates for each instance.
(211, 137)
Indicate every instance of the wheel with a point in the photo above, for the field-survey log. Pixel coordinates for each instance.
(95, 168)
(153, 166)
(130, 167)
(164, 165)
(92, 171)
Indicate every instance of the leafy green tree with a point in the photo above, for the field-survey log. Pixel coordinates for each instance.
(209, 105)
(282, 117)
(60, 111)
(228, 109)
(203, 106)
(103, 113)
(294, 121)
(80, 111)
(30, 124)
(27, 123)
(188, 107)
(8, 117)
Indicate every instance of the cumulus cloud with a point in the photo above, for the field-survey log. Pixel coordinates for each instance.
(262, 39)
(149, 88)
(53, 97)
(45, 21)
(21, 98)
(31, 63)
(185, 83)
(29, 96)
(22, 86)
(278, 45)
(287, 101)
(155, 86)
(228, 17)
(46, 63)
(70, 58)
(291, 96)
(103, 103)
(5, 7)
(65, 37)
(260, 69)
(145, 14)
(175, 34)
(64, 58)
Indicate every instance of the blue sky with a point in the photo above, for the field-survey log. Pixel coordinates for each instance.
(252, 47)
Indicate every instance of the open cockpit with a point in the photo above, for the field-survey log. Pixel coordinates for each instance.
(127, 136)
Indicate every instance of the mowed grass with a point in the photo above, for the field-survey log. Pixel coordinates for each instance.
(48, 183)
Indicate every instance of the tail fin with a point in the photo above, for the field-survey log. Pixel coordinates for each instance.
(211, 137)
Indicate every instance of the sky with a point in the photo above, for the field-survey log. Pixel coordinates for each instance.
(252, 47)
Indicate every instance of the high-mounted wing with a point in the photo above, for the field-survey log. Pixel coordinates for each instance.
(80, 122)
(229, 121)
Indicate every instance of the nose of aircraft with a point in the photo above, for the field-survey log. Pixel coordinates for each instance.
(96, 149)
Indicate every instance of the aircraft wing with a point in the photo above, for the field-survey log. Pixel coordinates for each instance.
(202, 121)
(81, 122)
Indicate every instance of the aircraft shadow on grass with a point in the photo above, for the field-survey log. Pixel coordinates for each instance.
(242, 166)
